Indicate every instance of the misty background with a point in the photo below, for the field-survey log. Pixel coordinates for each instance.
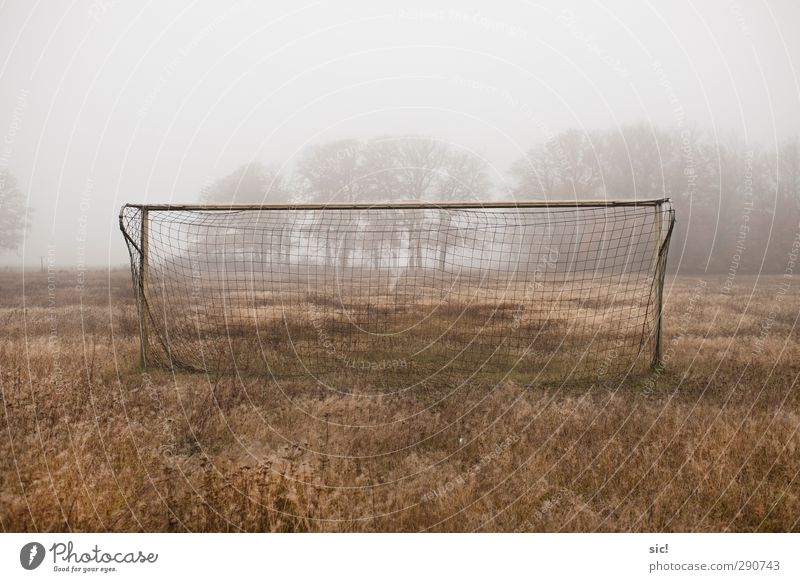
(106, 102)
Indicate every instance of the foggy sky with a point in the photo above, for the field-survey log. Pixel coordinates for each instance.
(104, 102)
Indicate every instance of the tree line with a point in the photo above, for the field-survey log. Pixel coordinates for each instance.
(737, 205)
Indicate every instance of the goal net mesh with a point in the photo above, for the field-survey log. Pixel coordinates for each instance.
(400, 297)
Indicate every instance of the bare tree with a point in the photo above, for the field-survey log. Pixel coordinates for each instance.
(633, 162)
(738, 205)
(379, 164)
(419, 163)
(424, 168)
(389, 168)
(252, 183)
(788, 183)
(13, 213)
(461, 177)
(332, 172)
(535, 174)
(565, 166)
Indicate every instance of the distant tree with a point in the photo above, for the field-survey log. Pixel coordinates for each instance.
(389, 168)
(788, 179)
(565, 166)
(419, 164)
(423, 168)
(462, 177)
(380, 163)
(783, 211)
(634, 161)
(252, 183)
(536, 174)
(384, 169)
(332, 172)
(13, 213)
(738, 206)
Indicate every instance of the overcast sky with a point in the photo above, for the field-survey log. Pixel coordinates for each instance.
(104, 102)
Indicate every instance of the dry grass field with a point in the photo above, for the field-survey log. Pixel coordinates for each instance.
(91, 442)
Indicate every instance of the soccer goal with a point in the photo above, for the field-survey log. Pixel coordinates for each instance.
(401, 294)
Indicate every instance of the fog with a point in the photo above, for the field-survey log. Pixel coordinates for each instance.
(107, 102)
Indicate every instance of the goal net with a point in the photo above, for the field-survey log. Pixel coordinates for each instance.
(400, 295)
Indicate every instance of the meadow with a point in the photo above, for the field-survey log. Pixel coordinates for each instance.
(89, 441)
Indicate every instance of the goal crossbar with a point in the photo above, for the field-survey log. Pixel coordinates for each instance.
(413, 205)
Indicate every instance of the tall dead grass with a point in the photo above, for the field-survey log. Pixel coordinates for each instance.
(90, 442)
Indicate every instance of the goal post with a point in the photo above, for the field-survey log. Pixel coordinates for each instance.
(142, 283)
(401, 293)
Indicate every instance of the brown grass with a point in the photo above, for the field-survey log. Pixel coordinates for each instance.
(90, 442)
